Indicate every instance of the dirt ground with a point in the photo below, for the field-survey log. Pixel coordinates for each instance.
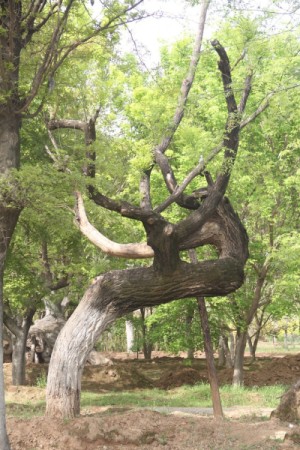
(107, 428)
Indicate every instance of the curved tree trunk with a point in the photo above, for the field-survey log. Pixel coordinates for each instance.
(224, 353)
(117, 293)
(71, 350)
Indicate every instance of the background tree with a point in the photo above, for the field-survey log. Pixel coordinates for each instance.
(35, 42)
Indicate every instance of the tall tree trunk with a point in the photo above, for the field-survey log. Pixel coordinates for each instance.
(238, 370)
(4, 444)
(211, 368)
(19, 351)
(18, 359)
(9, 214)
(224, 353)
(188, 333)
(129, 335)
(221, 353)
(228, 355)
(147, 345)
(251, 348)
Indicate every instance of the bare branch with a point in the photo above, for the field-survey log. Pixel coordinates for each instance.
(53, 60)
(264, 105)
(203, 164)
(109, 25)
(232, 128)
(159, 150)
(74, 124)
(240, 58)
(196, 171)
(246, 93)
(134, 251)
(145, 190)
(30, 24)
(121, 207)
(48, 57)
(52, 139)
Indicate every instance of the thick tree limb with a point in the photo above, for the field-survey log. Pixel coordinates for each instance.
(107, 246)
(231, 137)
(56, 124)
(224, 231)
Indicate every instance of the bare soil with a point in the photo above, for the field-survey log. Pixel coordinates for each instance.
(107, 428)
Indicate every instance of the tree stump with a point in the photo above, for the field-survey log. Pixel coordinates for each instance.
(289, 408)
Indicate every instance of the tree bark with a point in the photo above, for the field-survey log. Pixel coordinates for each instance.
(71, 350)
(251, 347)
(9, 214)
(18, 359)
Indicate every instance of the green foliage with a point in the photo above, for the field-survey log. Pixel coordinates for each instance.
(41, 381)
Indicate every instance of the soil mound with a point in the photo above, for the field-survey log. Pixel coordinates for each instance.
(176, 378)
(115, 377)
(132, 430)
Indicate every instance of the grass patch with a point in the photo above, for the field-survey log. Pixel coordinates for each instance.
(185, 396)
(188, 396)
(279, 347)
(26, 410)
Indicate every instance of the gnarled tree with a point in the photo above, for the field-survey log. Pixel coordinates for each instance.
(210, 220)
